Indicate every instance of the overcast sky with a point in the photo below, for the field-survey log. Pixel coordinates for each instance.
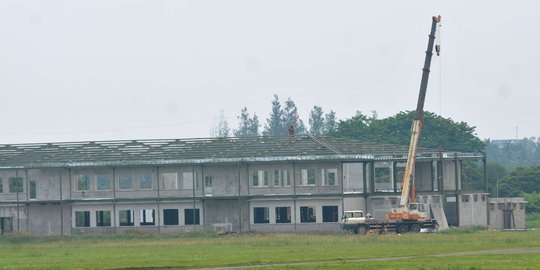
(146, 69)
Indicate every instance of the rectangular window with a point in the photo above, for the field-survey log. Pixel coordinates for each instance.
(491, 206)
(261, 215)
(169, 181)
(383, 178)
(191, 216)
(330, 213)
(307, 214)
(170, 216)
(125, 217)
(103, 218)
(1, 185)
(32, 189)
(15, 184)
(82, 218)
(475, 197)
(281, 178)
(260, 178)
(500, 206)
(465, 198)
(521, 206)
(329, 176)
(103, 182)
(187, 180)
(283, 214)
(146, 181)
(208, 181)
(307, 177)
(147, 217)
(125, 181)
(83, 182)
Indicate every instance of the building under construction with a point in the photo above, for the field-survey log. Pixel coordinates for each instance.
(262, 184)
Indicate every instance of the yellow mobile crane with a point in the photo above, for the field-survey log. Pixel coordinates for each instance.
(411, 211)
(410, 216)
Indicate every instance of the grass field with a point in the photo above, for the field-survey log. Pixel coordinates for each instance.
(199, 250)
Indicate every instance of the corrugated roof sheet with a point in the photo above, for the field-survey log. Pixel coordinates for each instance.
(202, 150)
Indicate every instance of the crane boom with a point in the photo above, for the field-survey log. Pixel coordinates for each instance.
(418, 117)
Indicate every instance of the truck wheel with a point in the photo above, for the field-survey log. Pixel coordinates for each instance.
(415, 228)
(361, 230)
(402, 228)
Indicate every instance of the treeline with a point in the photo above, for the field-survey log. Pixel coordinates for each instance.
(282, 119)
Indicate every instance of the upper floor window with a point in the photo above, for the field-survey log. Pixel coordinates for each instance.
(83, 182)
(307, 177)
(260, 178)
(1, 185)
(281, 178)
(103, 182)
(125, 181)
(146, 181)
(187, 180)
(329, 177)
(169, 181)
(32, 190)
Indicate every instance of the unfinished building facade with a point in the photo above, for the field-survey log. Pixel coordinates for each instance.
(264, 184)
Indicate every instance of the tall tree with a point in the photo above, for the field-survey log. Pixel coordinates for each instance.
(254, 126)
(274, 125)
(291, 117)
(329, 122)
(248, 126)
(316, 121)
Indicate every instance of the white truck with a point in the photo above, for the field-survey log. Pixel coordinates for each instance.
(356, 222)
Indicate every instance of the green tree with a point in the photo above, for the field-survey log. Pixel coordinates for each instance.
(316, 121)
(274, 125)
(329, 122)
(291, 117)
(247, 126)
(437, 131)
(521, 180)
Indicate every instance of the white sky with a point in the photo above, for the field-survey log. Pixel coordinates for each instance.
(102, 70)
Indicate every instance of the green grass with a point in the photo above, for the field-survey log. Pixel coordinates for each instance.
(201, 249)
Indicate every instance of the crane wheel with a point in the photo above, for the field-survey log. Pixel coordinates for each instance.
(361, 230)
(402, 228)
(415, 228)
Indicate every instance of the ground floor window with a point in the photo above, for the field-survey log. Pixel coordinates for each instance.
(307, 214)
(170, 216)
(283, 214)
(103, 218)
(147, 217)
(126, 217)
(191, 216)
(330, 213)
(82, 218)
(261, 215)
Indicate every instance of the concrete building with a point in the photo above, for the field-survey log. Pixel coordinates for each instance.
(264, 184)
(507, 213)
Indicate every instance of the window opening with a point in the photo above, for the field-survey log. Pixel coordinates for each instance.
(103, 218)
(126, 217)
(191, 216)
(261, 215)
(103, 182)
(147, 217)
(330, 213)
(82, 218)
(146, 181)
(307, 214)
(170, 216)
(283, 214)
